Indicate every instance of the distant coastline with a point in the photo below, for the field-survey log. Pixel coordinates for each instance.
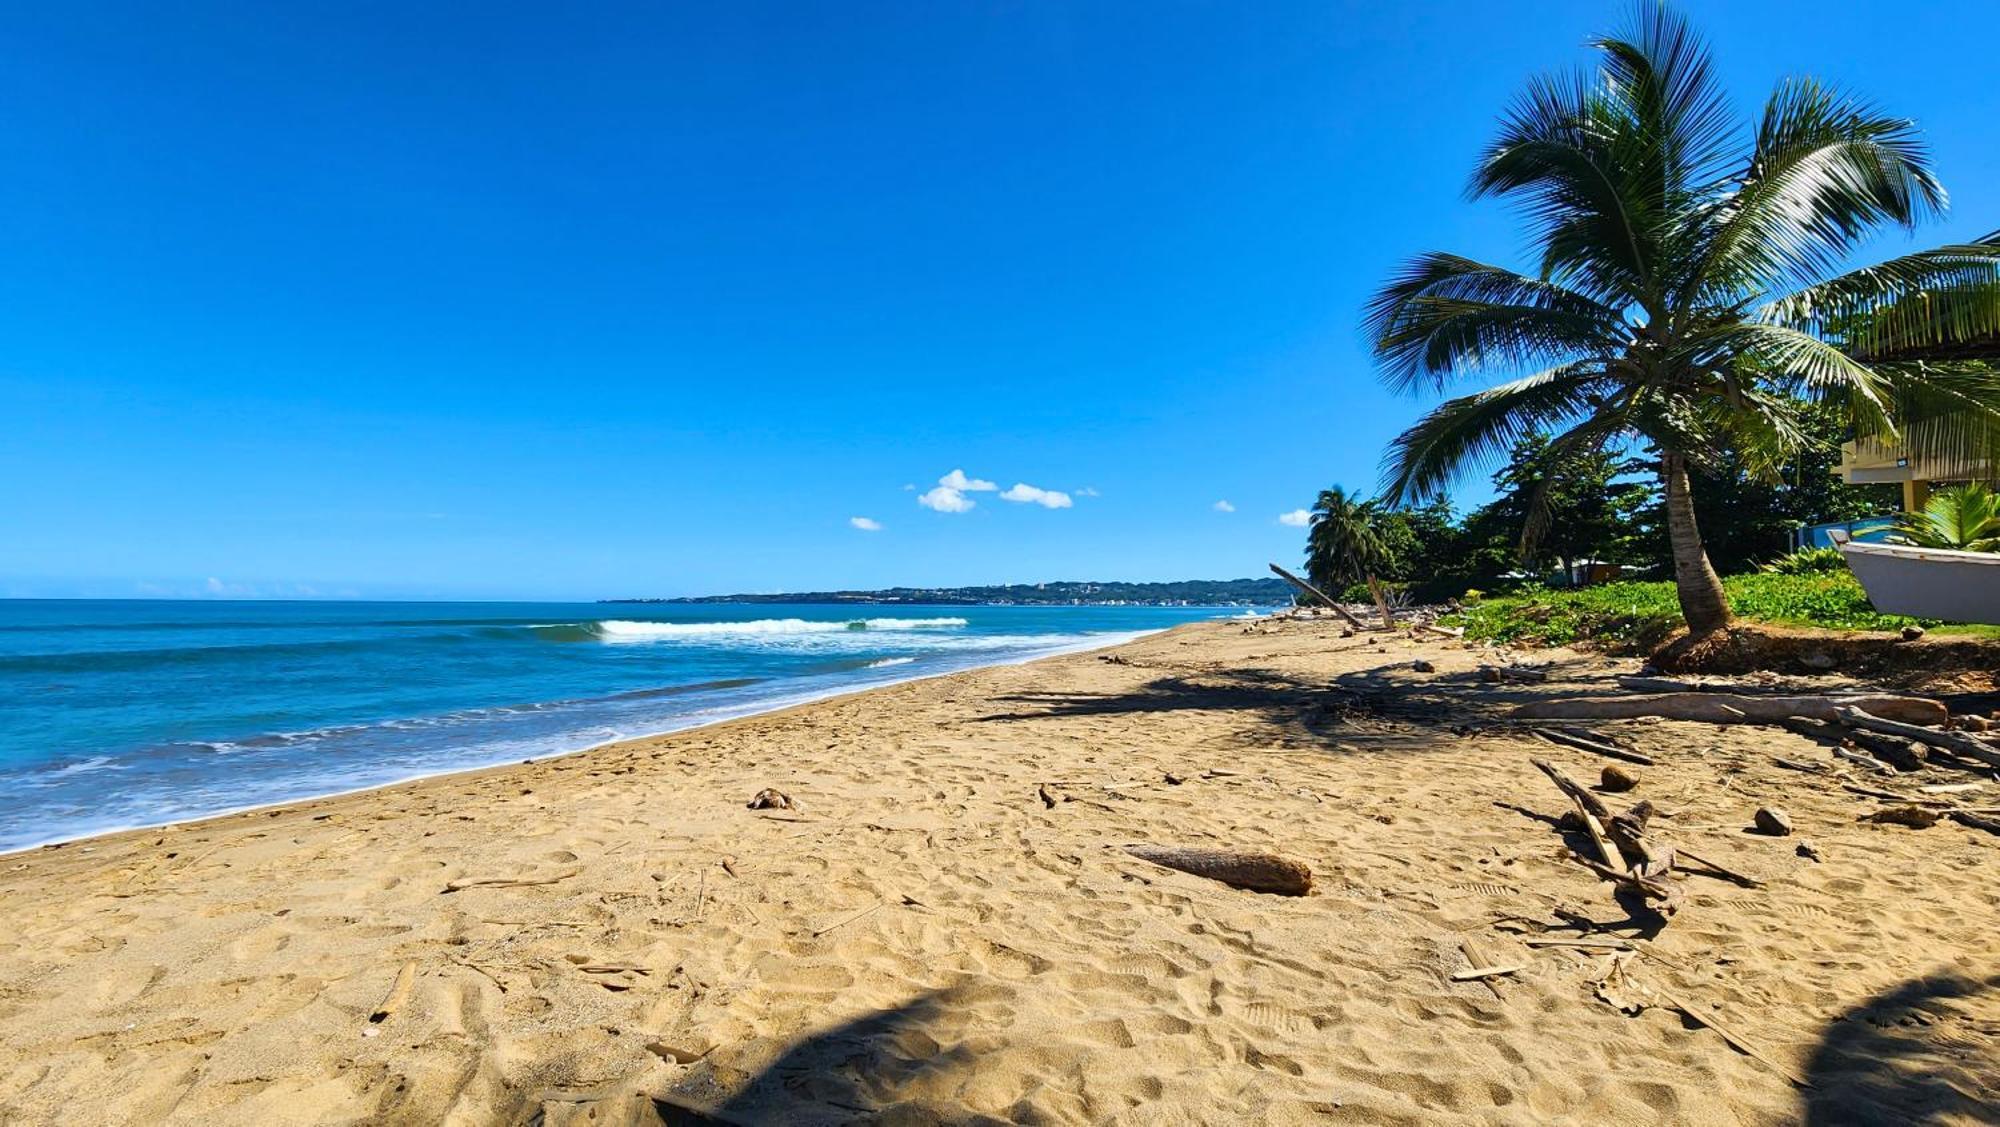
(1188, 592)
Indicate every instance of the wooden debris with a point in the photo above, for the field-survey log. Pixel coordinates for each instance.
(1590, 809)
(1484, 972)
(1741, 1043)
(769, 799)
(1864, 759)
(843, 923)
(1048, 799)
(1475, 955)
(1772, 821)
(1322, 596)
(399, 994)
(1974, 821)
(1643, 684)
(1494, 674)
(679, 1055)
(510, 882)
(1585, 942)
(1442, 631)
(1667, 892)
(1592, 744)
(1686, 854)
(1915, 817)
(1962, 744)
(1732, 708)
(1616, 779)
(1246, 869)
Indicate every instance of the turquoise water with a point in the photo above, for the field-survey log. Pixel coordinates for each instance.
(118, 714)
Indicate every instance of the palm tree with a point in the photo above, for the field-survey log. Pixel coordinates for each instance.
(1347, 544)
(1965, 519)
(1687, 294)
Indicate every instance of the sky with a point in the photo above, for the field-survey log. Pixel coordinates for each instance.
(580, 301)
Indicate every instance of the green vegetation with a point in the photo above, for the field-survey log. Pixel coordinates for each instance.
(1964, 519)
(1683, 297)
(1348, 543)
(1642, 615)
(1807, 561)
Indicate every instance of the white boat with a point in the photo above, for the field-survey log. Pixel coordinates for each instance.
(1928, 582)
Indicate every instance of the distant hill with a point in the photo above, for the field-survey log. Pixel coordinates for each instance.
(1187, 592)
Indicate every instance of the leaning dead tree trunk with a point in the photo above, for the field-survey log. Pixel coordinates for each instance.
(1733, 708)
(1257, 872)
(1322, 596)
(1381, 602)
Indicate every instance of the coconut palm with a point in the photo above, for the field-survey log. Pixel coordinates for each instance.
(1347, 544)
(1965, 518)
(1687, 293)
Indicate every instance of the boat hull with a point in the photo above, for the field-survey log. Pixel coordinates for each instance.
(1928, 582)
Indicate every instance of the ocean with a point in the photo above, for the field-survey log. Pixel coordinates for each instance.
(117, 714)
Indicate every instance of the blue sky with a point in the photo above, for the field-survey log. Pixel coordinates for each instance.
(591, 300)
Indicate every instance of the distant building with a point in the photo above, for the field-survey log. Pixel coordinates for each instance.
(1870, 461)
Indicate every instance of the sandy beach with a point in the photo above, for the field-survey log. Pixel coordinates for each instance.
(615, 937)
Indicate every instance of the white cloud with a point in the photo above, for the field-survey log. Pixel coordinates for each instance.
(1224, 507)
(945, 499)
(1086, 491)
(1026, 494)
(865, 524)
(216, 586)
(956, 480)
(1297, 518)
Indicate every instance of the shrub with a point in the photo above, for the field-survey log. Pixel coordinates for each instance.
(1808, 561)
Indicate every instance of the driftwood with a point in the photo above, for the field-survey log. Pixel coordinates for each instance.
(399, 994)
(1686, 854)
(1736, 1040)
(1591, 744)
(1731, 708)
(1642, 684)
(1441, 631)
(1667, 892)
(1963, 744)
(1974, 821)
(1863, 758)
(1255, 871)
(1484, 972)
(1591, 810)
(1902, 754)
(1524, 674)
(509, 882)
(1322, 596)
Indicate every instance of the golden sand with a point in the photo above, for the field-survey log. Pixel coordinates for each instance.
(927, 940)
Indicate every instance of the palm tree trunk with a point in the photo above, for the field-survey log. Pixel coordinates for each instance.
(1703, 602)
(1381, 602)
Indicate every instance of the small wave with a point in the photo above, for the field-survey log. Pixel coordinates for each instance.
(626, 630)
(888, 661)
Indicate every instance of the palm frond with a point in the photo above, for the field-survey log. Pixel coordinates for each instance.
(1463, 433)
(1445, 316)
(1827, 170)
(1942, 303)
(1946, 414)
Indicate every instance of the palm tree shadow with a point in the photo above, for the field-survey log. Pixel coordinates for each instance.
(1918, 1053)
(854, 1071)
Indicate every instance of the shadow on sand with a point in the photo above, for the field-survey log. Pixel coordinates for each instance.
(1927, 1051)
(853, 1072)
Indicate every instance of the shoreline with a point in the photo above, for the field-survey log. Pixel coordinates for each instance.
(945, 926)
(767, 708)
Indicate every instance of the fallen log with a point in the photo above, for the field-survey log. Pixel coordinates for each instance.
(1667, 892)
(1863, 758)
(1255, 871)
(1731, 708)
(1642, 684)
(1857, 714)
(1973, 821)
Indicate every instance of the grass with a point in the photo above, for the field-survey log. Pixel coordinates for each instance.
(1644, 614)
